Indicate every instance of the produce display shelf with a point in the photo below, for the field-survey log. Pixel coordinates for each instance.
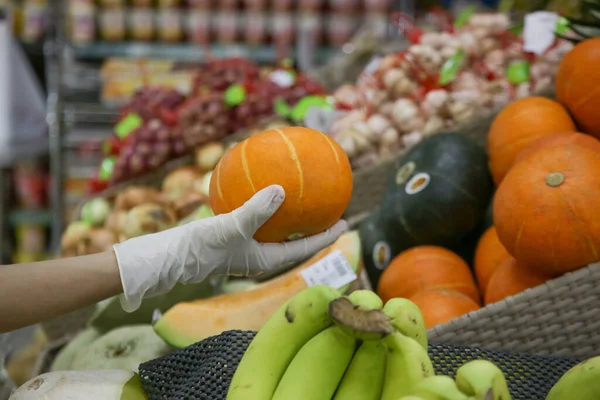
(181, 52)
(41, 217)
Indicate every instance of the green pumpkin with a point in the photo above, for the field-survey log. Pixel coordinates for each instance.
(437, 194)
(377, 249)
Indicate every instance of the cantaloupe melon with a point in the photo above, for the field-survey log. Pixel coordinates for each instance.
(189, 322)
(89, 385)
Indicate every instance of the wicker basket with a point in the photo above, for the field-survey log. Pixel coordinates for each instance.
(557, 318)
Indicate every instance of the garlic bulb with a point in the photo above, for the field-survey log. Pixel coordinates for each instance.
(405, 115)
(378, 124)
(411, 139)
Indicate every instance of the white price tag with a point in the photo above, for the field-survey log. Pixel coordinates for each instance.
(321, 119)
(332, 270)
(538, 32)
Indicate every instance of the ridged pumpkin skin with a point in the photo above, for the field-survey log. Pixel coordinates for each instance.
(557, 139)
(512, 278)
(311, 167)
(520, 123)
(426, 267)
(546, 210)
(490, 253)
(576, 84)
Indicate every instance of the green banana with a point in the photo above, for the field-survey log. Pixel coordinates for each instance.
(279, 340)
(317, 369)
(581, 382)
(363, 379)
(406, 318)
(407, 364)
(438, 387)
(366, 299)
(482, 380)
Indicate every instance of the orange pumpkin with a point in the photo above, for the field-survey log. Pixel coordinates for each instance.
(557, 139)
(426, 267)
(520, 123)
(489, 254)
(511, 278)
(546, 210)
(576, 84)
(441, 306)
(311, 167)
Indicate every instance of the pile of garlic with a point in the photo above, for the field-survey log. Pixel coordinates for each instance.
(391, 109)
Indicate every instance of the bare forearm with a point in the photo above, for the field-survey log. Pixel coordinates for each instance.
(33, 292)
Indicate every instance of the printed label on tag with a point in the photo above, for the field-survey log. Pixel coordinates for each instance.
(321, 119)
(538, 32)
(332, 270)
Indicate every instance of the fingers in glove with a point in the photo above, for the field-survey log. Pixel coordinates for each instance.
(301, 249)
(256, 211)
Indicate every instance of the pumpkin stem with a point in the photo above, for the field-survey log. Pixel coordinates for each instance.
(555, 179)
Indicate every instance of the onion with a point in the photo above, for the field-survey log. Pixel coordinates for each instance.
(208, 155)
(116, 221)
(135, 195)
(180, 181)
(75, 233)
(100, 240)
(186, 204)
(96, 211)
(148, 218)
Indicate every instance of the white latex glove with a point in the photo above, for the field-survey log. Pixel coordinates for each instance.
(152, 264)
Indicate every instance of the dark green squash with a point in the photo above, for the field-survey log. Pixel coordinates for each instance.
(377, 250)
(437, 194)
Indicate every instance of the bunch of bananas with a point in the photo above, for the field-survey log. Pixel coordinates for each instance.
(321, 345)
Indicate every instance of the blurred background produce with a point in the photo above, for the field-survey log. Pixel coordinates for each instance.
(145, 97)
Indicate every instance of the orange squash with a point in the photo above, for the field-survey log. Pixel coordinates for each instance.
(189, 322)
(546, 210)
(576, 85)
(511, 278)
(441, 306)
(426, 267)
(489, 254)
(520, 123)
(558, 139)
(311, 167)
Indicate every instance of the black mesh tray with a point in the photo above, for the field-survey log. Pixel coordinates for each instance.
(204, 370)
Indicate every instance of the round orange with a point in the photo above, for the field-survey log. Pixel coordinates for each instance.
(488, 256)
(426, 267)
(511, 278)
(441, 306)
(520, 123)
(576, 84)
(311, 167)
(558, 139)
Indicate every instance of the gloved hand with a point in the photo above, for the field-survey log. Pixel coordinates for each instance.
(152, 264)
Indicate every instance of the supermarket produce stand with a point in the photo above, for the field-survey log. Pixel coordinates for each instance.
(75, 114)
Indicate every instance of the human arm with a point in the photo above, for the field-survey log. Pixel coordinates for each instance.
(151, 265)
(33, 292)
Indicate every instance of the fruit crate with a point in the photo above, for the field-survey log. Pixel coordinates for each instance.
(559, 317)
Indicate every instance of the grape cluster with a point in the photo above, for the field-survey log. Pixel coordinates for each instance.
(220, 74)
(204, 118)
(155, 102)
(147, 148)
